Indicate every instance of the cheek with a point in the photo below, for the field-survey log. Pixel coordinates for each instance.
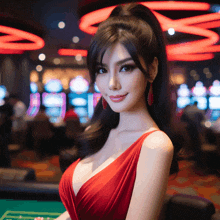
(100, 84)
(139, 85)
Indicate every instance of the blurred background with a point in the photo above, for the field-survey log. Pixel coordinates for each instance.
(46, 98)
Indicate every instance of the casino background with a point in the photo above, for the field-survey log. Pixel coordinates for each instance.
(47, 62)
(59, 35)
(49, 67)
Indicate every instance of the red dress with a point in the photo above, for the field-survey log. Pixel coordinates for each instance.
(106, 195)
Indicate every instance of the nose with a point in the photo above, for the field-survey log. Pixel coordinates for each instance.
(114, 83)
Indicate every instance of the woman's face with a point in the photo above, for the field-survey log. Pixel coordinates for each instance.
(120, 82)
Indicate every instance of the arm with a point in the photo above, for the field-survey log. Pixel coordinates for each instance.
(152, 178)
(64, 216)
(87, 128)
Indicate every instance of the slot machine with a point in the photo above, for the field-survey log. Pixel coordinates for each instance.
(214, 100)
(80, 99)
(3, 92)
(34, 100)
(199, 94)
(96, 96)
(54, 100)
(183, 97)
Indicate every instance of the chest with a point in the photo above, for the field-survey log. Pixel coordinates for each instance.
(89, 167)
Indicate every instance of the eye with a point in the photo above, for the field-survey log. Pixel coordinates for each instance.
(127, 68)
(100, 70)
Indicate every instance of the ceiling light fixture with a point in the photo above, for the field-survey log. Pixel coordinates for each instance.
(72, 52)
(61, 24)
(42, 57)
(75, 39)
(9, 43)
(197, 25)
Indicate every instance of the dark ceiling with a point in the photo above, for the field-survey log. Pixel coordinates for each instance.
(42, 16)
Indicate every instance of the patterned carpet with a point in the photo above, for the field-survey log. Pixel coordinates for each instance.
(188, 181)
(192, 182)
(46, 170)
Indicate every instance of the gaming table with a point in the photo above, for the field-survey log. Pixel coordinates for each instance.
(30, 209)
(29, 201)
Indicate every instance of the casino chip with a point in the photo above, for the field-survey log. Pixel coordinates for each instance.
(39, 218)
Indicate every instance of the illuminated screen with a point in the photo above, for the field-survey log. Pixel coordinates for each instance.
(53, 85)
(51, 100)
(53, 111)
(78, 99)
(96, 97)
(215, 115)
(182, 102)
(79, 85)
(183, 90)
(81, 112)
(2, 92)
(53, 119)
(35, 99)
(202, 102)
(214, 102)
(34, 104)
(83, 120)
(33, 111)
(33, 87)
(78, 102)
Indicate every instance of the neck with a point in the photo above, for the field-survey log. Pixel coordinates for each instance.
(136, 120)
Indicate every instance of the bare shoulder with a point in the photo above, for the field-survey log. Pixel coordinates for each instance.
(158, 141)
(151, 181)
(64, 216)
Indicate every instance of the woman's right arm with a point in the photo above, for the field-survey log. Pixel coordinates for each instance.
(64, 216)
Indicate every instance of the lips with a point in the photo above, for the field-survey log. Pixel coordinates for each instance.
(117, 98)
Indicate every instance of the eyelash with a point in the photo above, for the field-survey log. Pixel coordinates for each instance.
(130, 67)
(100, 68)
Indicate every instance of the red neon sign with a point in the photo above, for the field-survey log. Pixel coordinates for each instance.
(10, 44)
(197, 25)
(6, 51)
(72, 52)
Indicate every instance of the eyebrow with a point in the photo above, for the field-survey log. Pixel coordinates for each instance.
(117, 63)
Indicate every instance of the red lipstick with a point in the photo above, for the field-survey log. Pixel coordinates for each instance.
(117, 98)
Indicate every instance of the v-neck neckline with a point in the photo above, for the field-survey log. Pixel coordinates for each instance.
(93, 176)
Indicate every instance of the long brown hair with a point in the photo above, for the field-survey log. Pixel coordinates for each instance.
(137, 29)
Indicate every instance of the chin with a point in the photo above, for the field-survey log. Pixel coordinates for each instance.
(119, 109)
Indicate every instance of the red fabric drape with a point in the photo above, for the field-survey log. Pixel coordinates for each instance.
(106, 195)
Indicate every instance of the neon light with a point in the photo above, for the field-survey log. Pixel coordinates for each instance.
(8, 41)
(100, 15)
(164, 5)
(94, 17)
(34, 104)
(72, 52)
(196, 25)
(7, 51)
(215, 88)
(199, 19)
(183, 90)
(79, 85)
(191, 57)
(62, 104)
(208, 25)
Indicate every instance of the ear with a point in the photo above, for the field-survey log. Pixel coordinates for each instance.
(153, 69)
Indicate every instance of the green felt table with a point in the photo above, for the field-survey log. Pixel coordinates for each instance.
(30, 209)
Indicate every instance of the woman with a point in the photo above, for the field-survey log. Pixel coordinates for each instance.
(125, 157)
